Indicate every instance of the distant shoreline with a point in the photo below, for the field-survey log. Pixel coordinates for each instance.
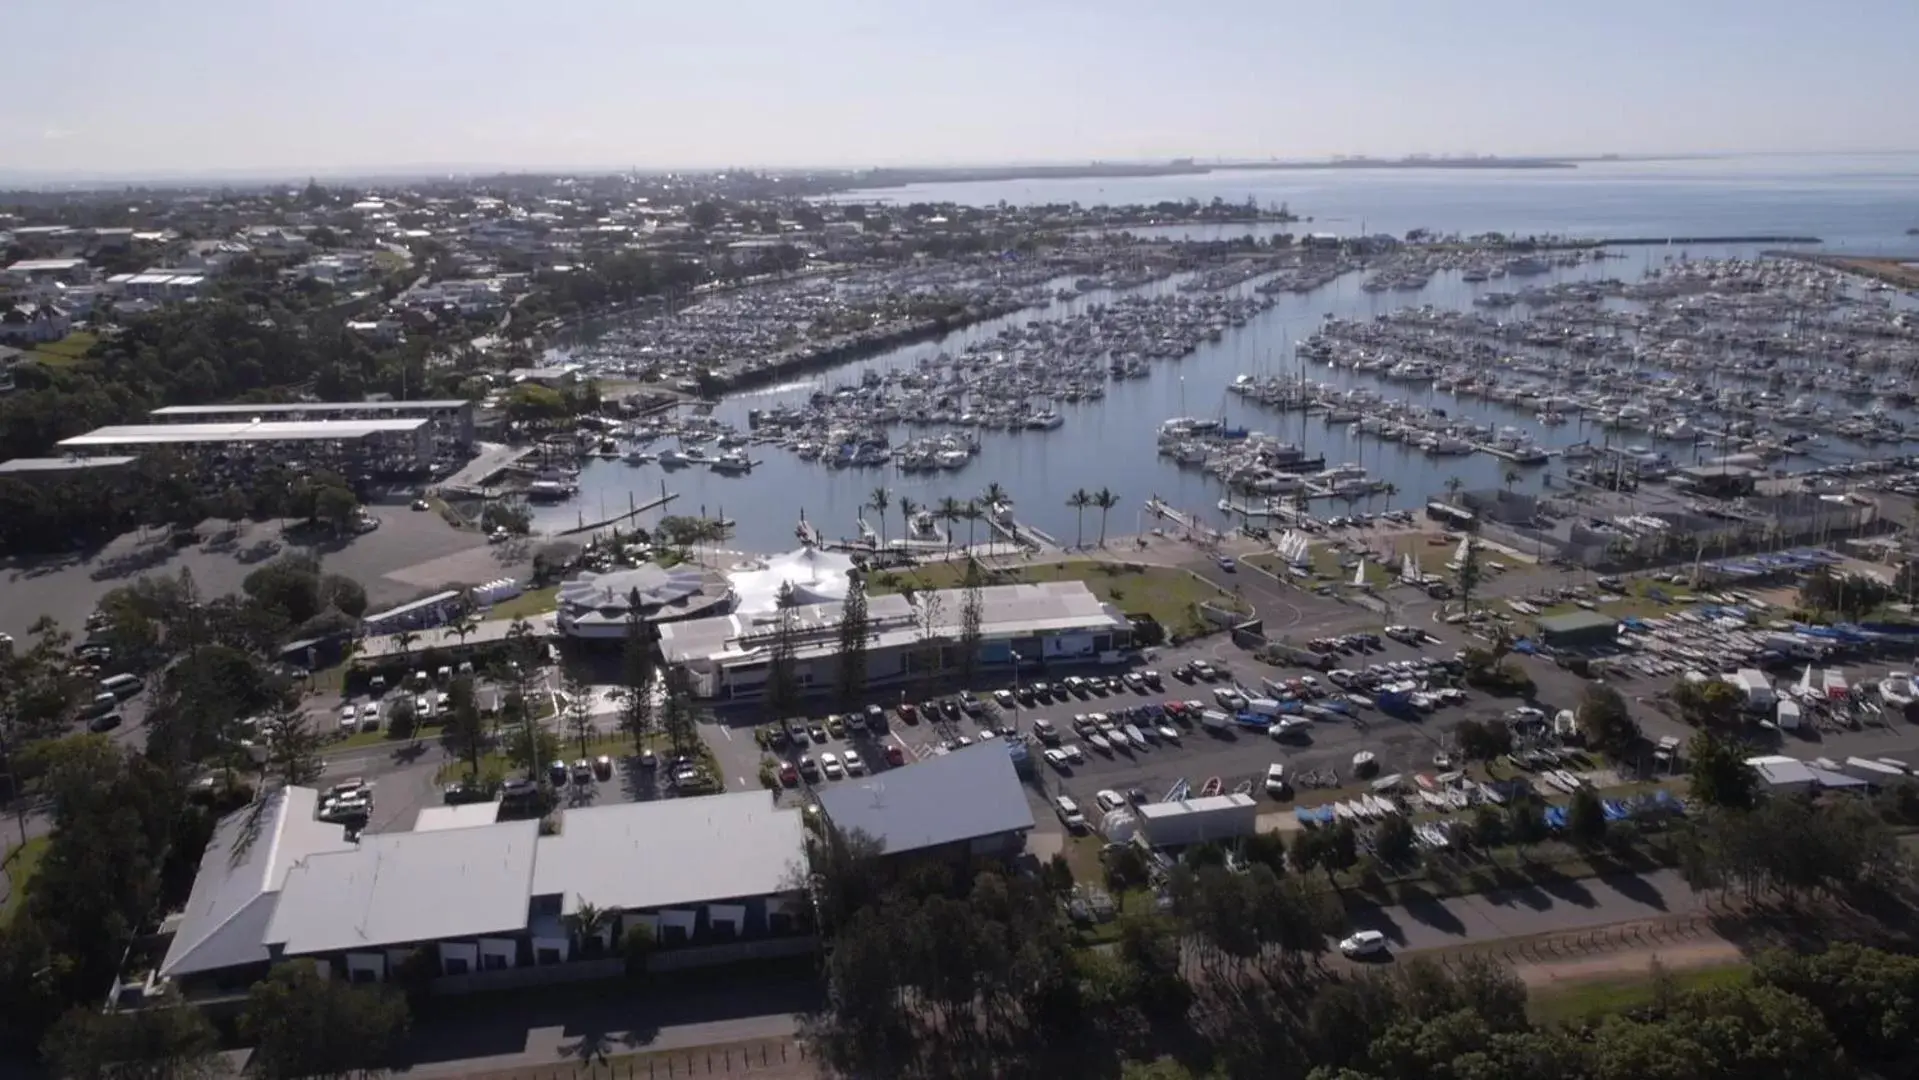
(892, 178)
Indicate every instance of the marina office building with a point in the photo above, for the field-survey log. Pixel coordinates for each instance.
(710, 877)
(1047, 622)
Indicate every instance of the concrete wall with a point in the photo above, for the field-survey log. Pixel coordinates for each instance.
(531, 975)
(730, 953)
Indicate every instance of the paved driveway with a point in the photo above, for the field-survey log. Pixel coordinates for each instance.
(1509, 913)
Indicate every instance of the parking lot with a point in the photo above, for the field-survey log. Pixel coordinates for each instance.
(1177, 751)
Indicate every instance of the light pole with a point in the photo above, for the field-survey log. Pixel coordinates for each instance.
(1015, 655)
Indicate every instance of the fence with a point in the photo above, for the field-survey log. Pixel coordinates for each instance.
(731, 952)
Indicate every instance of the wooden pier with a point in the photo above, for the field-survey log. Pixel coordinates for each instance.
(592, 526)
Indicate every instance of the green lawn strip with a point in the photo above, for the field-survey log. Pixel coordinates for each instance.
(527, 604)
(1165, 593)
(21, 864)
(1581, 999)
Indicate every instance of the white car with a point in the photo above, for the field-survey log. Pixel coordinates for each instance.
(854, 766)
(1056, 758)
(1364, 943)
(830, 765)
(1276, 779)
(1073, 753)
(1109, 799)
(1004, 698)
(349, 716)
(1069, 814)
(1229, 697)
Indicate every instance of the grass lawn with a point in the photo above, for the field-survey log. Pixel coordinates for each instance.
(22, 862)
(1577, 1000)
(1164, 593)
(67, 350)
(527, 604)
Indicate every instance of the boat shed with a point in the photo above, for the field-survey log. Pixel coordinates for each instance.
(965, 803)
(1578, 629)
(1196, 821)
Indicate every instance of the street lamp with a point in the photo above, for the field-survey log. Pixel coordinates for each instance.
(1015, 655)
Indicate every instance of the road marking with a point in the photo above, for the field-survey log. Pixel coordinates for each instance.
(728, 734)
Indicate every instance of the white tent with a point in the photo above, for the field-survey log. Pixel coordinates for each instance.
(1359, 573)
(817, 577)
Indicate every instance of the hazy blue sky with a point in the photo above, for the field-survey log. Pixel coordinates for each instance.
(284, 87)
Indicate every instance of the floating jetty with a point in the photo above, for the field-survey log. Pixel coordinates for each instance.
(590, 526)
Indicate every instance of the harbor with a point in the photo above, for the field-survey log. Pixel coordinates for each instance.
(1377, 380)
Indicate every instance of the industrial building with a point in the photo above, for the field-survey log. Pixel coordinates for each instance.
(453, 416)
(962, 804)
(1578, 630)
(405, 438)
(1048, 622)
(479, 896)
(598, 605)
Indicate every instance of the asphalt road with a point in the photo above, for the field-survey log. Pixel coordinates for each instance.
(1511, 913)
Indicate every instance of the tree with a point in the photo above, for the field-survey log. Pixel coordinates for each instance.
(1586, 819)
(462, 731)
(1708, 703)
(676, 711)
(782, 674)
(530, 746)
(1466, 578)
(590, 925)
(1512, 477)
(1453, 487)
(854, 631)
(949, 512)
(1078, 501)
(908, 508)
(1525, 823)
(971, 513)
(337, 506)
(972, 612)
(704, 216)
(928, 625)
(305, 1025)
(404, 641)
(1606, 722)
(141, 1044)
(402, 722)
(579, 710)
(1393, 840)
(1482, 740)
(292, 746)
(461, 626)
(881, 500)
(1718, 773)
(636, 679)
(1105, 500)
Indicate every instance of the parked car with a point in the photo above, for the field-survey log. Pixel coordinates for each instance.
(1276, 779)
(1056, 758)
(1363, 943)
(1069, 813)
(895, 755)
(789, 776)
(1109, 799)
(582, 771)
(603, 767)
(853, 763)
(830, 765)
(1003, 698)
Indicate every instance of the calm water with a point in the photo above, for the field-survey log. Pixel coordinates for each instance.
(1858, 204)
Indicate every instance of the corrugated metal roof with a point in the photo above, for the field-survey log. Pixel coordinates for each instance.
(263, 431)
(672, 852)
(311, 407)
(969, 793)
(399, 888)
(241, 874)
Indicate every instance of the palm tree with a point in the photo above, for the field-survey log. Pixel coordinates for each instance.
(1389, 490)
(1105, 500)
(949, 512)
(405, 639)
(462, 625)
(1453, 486)
(971, 513)
(1512, 477)
(1079, 501)
(907, 509)
(994, 495)
(588, 922)
(881, 500)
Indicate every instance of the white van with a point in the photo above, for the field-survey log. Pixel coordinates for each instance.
(122, 686)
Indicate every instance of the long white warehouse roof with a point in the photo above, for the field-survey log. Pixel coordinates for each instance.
(262, 431)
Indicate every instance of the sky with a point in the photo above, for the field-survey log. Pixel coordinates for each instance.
(280, 88)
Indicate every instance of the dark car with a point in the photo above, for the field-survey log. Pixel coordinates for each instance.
(104, 722)
(556, 773)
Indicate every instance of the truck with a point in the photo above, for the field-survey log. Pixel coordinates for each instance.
(1756, 688)
(1789, 716)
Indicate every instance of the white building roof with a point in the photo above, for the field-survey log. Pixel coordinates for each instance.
(672, 852)
(262, 431)
(399, 888)
(314, 408)
(817, 577)
(459, 816)
(1006, 611)
(601, 600)
(241, 874)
